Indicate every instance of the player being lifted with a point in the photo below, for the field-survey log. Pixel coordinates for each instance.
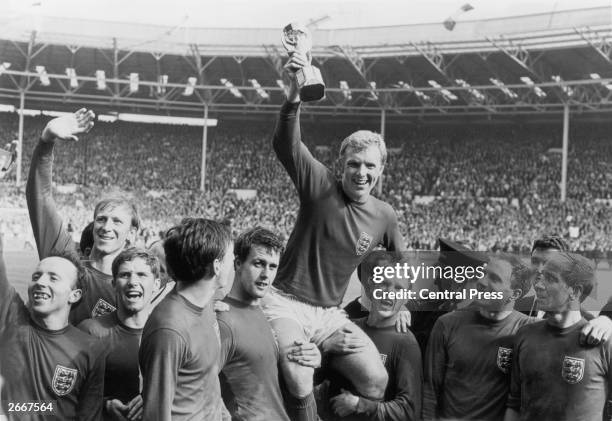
(338, 224)
(116, 221)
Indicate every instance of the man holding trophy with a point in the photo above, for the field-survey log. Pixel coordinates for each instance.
(339, 223)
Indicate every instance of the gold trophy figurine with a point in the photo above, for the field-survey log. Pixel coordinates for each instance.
(296, 37)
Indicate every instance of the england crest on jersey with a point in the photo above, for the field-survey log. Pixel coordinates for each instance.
(363, 243)
(101, 308)
(573, 369)
(64, 380)
(504, 359)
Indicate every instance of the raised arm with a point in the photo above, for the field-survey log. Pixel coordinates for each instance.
(47, 224)
(12, 308)
(308, 174)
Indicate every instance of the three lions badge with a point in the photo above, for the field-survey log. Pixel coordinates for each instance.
(573, 369)
(64, 380)
(504, 359)
(363, 243)
(101, 308)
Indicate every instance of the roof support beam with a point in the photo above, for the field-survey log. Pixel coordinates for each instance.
(600, 44)
(524, 59)
(359, 66)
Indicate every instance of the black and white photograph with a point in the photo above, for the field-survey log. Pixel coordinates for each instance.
(316, 210)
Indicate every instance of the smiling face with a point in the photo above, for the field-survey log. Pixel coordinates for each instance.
(497, 279)
(553, 292)
(135, 285)
(257, 272)
(112, 228)
(53, 288)
(361, 170)
(386, 307)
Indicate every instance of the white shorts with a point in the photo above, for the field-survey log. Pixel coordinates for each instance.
(318, 323)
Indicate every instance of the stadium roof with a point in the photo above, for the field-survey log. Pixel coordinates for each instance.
(520, 65)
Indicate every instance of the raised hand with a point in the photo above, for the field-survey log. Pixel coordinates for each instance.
(69, 126)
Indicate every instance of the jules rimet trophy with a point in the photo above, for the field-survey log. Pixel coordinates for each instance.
(297, 37)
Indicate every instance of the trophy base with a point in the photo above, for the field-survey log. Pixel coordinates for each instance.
(310, 83)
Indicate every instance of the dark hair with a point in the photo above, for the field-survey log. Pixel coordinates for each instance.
(257, 236)
(82, 278)
(520, 277)
(550, 242)
(378, 258)
(118, 201)
(87, 239)
(577, 270)
(193, 245)
(132, 253)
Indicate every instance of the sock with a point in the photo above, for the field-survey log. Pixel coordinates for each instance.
(304, 409)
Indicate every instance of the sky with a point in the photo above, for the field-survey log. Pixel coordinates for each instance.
(275, 13)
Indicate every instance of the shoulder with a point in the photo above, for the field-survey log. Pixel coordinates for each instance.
(523, 320)
(531, 328)
(81, 340)
(454, 318)
(384, 208)
(98, 327)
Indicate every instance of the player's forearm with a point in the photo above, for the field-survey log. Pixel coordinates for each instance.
(44, 217)
(287, 136)
(399, 409)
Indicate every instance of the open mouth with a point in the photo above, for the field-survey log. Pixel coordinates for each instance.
(39, 296)
(386, 303)
(261, 284)
(361, 182)
(133, 295)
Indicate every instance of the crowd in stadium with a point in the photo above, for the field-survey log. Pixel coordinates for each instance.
(495, 186)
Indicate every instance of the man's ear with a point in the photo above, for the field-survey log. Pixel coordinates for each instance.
(75, 295)
(516, 294)
(576, 292)
(216, 267)
(131, 238)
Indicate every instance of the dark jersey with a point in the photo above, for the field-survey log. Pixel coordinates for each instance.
(556, 378)
(467, 366)
(401, 357)
(65, 366)
(122, 375)
(249, 364)
(179, 360)
(332, 234)
(52, 237)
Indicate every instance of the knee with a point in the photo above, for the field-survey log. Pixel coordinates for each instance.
(298, 379)
(375, 385)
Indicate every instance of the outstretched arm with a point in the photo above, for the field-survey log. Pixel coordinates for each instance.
(47, 223)
(12, 308)
(309, 175)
